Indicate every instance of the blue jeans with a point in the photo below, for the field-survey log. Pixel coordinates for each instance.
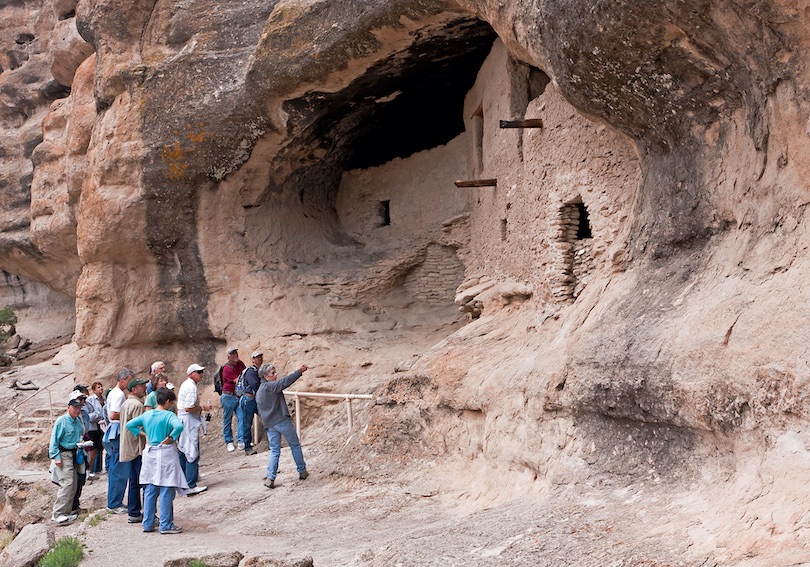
(274, 433)
(132, 469)
(192, 470)
(248, 407)
(117, 476)
(150, 498)
(230, 405)
(95, 466)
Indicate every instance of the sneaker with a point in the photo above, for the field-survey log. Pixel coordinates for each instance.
(61, 520)
(135, 519)
(91, 476)
(230, 447)
(150, 530)
(73, 516)
(251, 451)
(241, 446)
(270, 482)
(196, 490)
(79, 511)
(303, 475)
(172, 530)
(119, 510)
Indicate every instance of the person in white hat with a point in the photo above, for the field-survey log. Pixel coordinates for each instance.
(189, 410)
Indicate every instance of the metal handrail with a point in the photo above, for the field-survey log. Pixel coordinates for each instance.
(347, 397)
(50, 403)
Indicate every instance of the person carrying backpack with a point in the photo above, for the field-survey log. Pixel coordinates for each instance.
(249, 383)
(229, 401)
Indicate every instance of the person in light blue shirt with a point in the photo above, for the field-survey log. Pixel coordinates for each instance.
(161, 473)
(67, 432)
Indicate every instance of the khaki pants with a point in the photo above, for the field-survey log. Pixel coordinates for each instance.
(66, 477)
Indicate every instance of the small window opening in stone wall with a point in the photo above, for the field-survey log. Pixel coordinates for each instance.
(584, 225)
(478, 139)
(384, 212)
(504, 229)
(572, 259)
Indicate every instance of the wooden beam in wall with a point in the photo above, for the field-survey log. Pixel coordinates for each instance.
(477, 183)
(527, 123)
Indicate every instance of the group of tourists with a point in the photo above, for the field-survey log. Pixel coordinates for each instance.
(151, 436)
(257, 390)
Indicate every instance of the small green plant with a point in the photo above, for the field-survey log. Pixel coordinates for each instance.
(96, 519)
(6, 537)
(198, 563)
(7, 321)
(67, 552)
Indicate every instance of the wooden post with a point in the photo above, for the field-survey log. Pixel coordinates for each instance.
(527, 123)
(477, 183)
(256, 427)
(298, 416)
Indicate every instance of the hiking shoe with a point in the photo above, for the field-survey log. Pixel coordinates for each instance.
(61, 520)
(250, 451)
(270, 482)
(196, 490)
(303, 475)
(135, 519)
(241, 446)
(230, 447)
(172, 530)
(119, 510)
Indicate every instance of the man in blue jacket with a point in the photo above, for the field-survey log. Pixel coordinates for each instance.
(247, 402)
(276, 420)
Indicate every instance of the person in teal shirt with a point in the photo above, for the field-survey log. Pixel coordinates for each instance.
(67, 432)
(161, 473)
(159, 381)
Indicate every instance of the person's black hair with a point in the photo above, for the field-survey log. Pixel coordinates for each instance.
(164, 395)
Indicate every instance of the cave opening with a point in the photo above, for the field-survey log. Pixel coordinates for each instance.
(411, 101)
(538, 81)
(423, 108)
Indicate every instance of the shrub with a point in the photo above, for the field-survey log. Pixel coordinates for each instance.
(198, 563)
(7, 321)
(67, 552)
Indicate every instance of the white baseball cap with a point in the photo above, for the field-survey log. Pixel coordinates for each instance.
(195, 368)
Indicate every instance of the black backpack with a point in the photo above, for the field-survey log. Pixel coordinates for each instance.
(218, 381)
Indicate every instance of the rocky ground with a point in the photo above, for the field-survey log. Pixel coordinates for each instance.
(396, 521)
(418, 512)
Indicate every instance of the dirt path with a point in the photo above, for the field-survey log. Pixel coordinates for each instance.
(342, 521)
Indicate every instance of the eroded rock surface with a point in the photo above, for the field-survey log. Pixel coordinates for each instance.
(280, 175)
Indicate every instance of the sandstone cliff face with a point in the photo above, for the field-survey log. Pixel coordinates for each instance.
(280, 175)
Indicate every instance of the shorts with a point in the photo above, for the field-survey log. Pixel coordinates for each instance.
(95, 437)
